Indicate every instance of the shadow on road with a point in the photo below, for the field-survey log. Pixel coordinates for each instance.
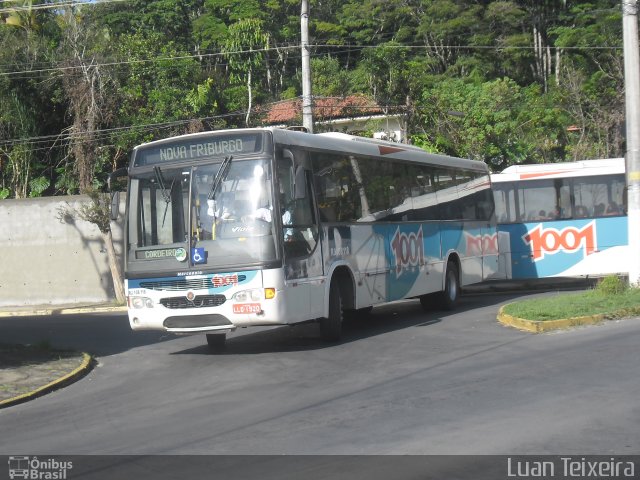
(384, 319)
(99, 334)
(104, 334)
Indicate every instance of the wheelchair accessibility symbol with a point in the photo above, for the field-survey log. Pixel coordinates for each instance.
(198, 255)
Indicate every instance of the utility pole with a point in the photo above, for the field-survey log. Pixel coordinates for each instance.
(307, 114)
(632, 101)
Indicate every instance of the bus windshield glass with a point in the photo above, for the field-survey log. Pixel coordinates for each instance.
(185, 215)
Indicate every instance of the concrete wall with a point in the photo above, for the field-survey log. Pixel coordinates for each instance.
(46, 260)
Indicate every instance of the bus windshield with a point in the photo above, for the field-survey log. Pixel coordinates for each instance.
(185, 215)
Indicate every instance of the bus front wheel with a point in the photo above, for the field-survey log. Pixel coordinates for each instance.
(331, 326)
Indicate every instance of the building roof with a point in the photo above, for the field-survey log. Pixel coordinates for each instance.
(324, 108)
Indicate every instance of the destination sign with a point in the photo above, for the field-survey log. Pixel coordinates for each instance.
(199, 148)
(179, 254)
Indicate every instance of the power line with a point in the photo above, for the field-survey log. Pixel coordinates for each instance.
(347, 48)
(101, 134)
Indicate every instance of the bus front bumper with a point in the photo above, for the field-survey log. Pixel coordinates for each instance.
(203, 320)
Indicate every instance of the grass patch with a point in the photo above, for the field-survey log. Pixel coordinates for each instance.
(608, 299)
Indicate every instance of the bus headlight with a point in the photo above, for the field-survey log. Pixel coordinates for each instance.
(254, 295)
(140, 302)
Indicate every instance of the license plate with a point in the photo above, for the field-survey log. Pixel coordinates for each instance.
(247, 308)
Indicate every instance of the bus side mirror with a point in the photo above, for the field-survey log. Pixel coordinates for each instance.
(300, 183)
(115, 205)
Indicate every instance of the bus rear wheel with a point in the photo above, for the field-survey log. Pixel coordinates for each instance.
(216, 341)
(331, 326)
(448, 298)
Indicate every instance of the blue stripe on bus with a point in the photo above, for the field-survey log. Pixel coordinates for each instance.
(544, 249)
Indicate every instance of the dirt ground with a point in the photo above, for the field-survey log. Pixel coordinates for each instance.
(26, 369)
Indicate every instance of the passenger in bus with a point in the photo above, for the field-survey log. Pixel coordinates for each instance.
(581, 211)
(598, 210)
(221, 208)
(542, 215)
(556, 214)
(613, 209)
(264, 213)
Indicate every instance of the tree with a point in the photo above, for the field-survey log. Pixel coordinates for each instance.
(84, 86)
(98, 212)
(591, 80)
(128, 72)
(17, 157)
(244, 49)
(497, 122)
(25, 100)
(329, 78)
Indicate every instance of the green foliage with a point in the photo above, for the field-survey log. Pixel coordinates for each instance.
(329, 78)
(289, 93)
(245, 34)
(587, 303)
(37, 186)
(97, 211)
(201, 97)
(497, 122)
(423, 142)
(496, 80)
(612, 285)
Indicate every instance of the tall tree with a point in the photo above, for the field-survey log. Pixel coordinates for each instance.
(85, 89)
(245, 51)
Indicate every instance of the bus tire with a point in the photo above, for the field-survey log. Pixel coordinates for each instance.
(216, 341)
(448, 298)
(331, 326)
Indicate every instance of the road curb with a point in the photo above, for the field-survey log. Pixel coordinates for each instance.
(84, 368)
(106, 309)
(537, 326)
(41, 312)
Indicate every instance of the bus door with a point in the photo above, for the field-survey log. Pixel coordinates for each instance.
(303, 265)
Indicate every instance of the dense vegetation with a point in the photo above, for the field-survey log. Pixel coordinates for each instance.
(504, 81)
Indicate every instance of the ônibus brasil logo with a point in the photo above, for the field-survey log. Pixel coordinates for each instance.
(38, 469)
(408, 250)
(549, 241)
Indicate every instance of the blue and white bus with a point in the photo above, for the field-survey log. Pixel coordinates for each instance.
(562, 219)
(255, 227)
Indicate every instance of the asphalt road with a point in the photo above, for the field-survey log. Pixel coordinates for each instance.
(402, 382)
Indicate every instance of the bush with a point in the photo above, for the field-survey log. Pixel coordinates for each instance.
(612, 285)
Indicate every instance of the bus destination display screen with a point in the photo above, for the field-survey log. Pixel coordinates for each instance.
(200, 148)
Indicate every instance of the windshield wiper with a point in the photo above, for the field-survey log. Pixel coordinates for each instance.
(166, 196)
(223, 171)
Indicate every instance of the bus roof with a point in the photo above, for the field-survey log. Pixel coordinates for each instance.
(581, 168)
(372, 147)
(341, 142)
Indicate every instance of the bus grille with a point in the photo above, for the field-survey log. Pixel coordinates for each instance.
(196, 321)
(183, 284)
(198, 302)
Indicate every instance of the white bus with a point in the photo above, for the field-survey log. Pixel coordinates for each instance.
(253, 227)
(562, 219)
